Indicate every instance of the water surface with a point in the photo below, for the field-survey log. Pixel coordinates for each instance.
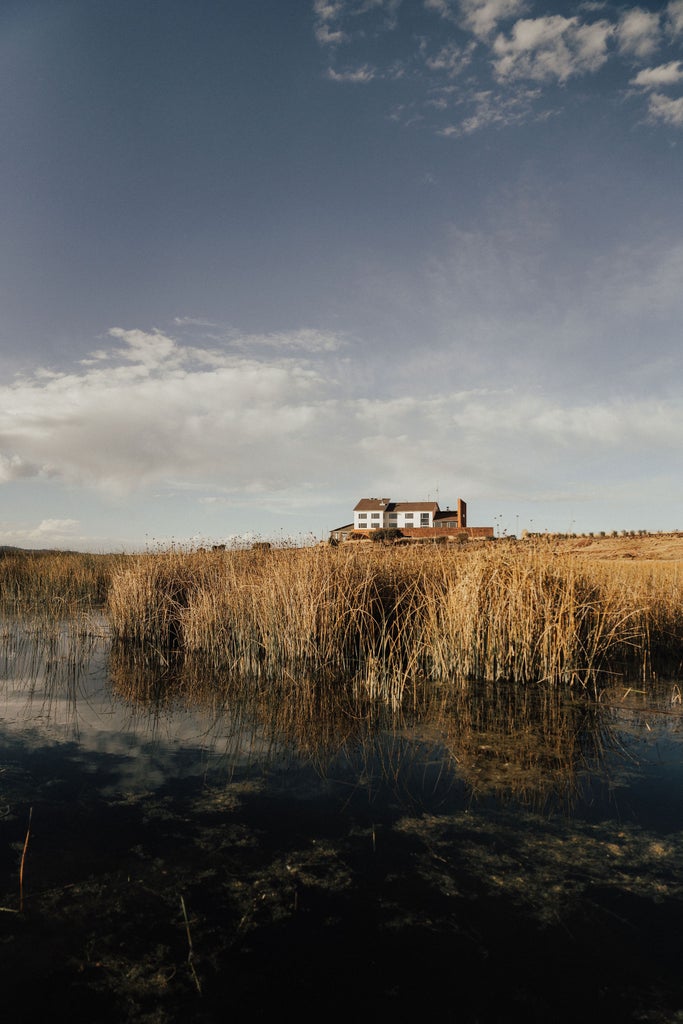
(198, 846)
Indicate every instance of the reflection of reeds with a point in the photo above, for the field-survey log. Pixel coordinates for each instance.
(390, 616)
(526, 742)
(521, 741)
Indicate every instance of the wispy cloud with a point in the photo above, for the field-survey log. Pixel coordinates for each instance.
(664, 74)
(360, 75)
(482, 17)
(303, 340)
(451, 59)
(330, 15)
(666, 110)
(674, 12)
(192, 321)
(327, 21)
(493, 108)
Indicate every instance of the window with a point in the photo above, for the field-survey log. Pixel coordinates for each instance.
(424, 519)
(362, 515)
(375, 515)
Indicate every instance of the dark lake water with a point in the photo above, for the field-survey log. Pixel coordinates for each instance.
(181, 847)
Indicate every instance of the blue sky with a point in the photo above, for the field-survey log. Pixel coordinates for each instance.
(262, 258)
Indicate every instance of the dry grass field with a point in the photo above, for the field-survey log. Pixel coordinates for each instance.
(666, 547)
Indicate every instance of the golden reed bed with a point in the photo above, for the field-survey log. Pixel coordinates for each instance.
(390, 614)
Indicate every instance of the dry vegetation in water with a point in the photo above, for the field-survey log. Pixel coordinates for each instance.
(386, 616)
(567, 610)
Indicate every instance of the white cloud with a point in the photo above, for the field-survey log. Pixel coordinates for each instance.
(361, 75)
(327, 15)
(149, 350)
(138, 418)
(674, 12)
(56, 528)
(450, 59)
(192, 321)
(664, 74)
(500, 36)
(494, 110)
(252, 423)
(245, 433)
(482, 17)
(638, 32)
(666, 110)
(49, 533)
(443, 8)
(333, 22)
(552, 47)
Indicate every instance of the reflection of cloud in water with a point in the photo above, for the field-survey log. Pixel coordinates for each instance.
(49, 700)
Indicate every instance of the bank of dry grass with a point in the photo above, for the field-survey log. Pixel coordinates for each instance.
(54, 583)
(386, 616)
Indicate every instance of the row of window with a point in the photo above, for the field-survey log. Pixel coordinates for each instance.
(393, 517)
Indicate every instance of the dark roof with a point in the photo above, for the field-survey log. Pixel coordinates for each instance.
(371, 504)
(386, 505)
(415, 506)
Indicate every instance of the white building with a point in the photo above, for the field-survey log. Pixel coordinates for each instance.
(383, 513)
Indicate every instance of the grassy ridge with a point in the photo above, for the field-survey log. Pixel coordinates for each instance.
(389, 615)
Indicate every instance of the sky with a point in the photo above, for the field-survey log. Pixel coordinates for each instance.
(262, 258)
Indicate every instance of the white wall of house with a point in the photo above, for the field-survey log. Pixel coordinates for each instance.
(414, 519)
(368, 520)
(379, 519)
